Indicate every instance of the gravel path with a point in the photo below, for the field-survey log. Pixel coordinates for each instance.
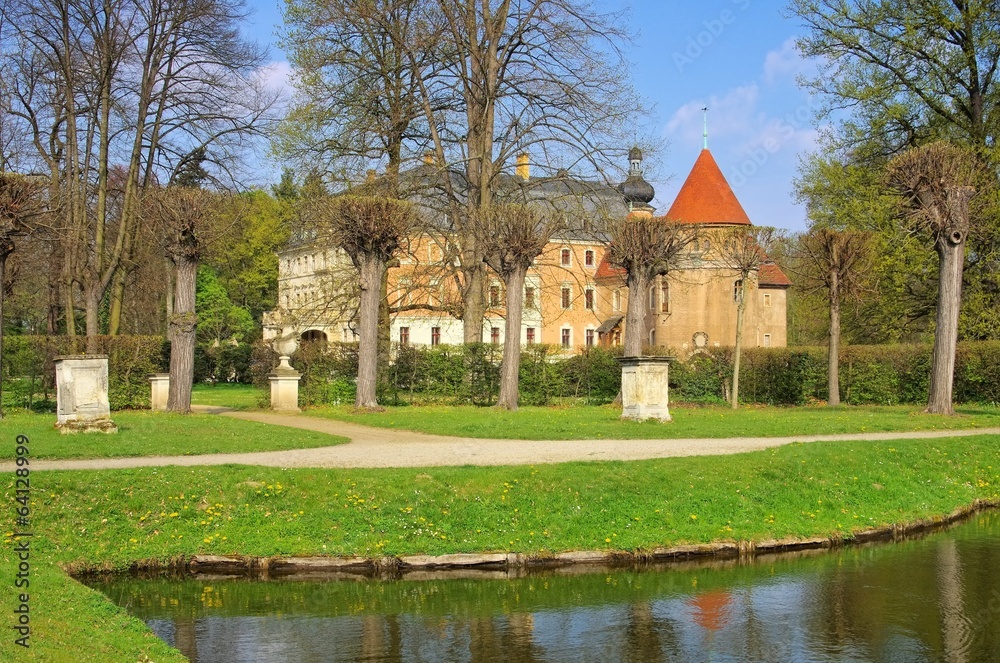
(381, 447)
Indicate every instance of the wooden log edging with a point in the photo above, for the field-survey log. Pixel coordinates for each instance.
(514, 564)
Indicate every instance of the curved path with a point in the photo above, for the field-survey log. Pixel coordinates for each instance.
(383, 447)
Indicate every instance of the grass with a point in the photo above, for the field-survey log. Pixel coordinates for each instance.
(235, 396)
(119, 516)
(113, 518)
(588, 422)
(142, 433)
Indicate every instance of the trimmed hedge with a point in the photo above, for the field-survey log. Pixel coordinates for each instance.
(29, 369)
(879, 375)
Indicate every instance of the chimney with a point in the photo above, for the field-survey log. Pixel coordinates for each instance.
(429, 158)
(523, 166)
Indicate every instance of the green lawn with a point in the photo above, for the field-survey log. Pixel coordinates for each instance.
(236, 396)
(589, 422)
(113, 518)
(143, 433)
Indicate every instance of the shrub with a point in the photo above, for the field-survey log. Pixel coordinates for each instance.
(876, 375)
(31, 360)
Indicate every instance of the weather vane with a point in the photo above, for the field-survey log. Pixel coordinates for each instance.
(705, 111)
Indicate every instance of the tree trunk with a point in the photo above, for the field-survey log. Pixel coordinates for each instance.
(70, 307)
(170, 293)
(92, 301)
(6, 248)
(635, 315)
(182, 337)
(951, 252)
(510, 366)
(371, 270)
(117, 300)
(474, 303)
(833, 361)
(741, 306)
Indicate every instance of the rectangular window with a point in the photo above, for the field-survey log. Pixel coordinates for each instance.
(530, 335)
(767, 340)
(590, 338)
(435, 335)
(529, 297)
(566, 297)
(494, 295)
(665, 298)
(566, 338)
(588, 298)
(652, 300)
(588, 258)
(767, 299)
(565, 257)
(616, 300)
(404, 335)
(494, 335)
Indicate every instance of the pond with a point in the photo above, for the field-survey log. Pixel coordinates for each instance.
(932, 599)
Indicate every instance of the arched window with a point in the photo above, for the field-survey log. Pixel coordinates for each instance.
(313, 336)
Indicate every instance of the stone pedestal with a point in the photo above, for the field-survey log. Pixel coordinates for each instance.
(82, 394)
(284, 387)
(159, 391)
(645, 388)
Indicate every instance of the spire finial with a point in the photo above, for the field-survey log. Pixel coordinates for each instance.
(705, 111)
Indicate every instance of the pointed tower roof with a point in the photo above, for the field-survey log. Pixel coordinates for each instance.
(706, 196)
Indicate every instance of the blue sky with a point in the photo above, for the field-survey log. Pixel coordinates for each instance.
(735, 56)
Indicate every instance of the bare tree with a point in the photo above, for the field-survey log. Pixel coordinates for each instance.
(142, 83)
(645, 247)
(186, 219)
(370, 230)
(489, 80)
(744, 249)
(539, 75)
(19, 205)
(512, 236)
(839, 262)
(937, 183)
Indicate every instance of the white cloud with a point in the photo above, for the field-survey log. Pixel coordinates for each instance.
(731, 113)
(277, 77)
(782, 134)
(785, 63)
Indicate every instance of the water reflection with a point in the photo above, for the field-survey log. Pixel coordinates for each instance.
(936, 599)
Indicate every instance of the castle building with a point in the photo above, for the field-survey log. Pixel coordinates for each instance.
(573, 297)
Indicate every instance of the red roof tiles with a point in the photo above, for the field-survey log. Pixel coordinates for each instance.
(706, 196)
(605, 270)
(771, 275)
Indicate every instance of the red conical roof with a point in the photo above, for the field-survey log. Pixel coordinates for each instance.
(706, 196)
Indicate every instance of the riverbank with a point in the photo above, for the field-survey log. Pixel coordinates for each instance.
(111, 519)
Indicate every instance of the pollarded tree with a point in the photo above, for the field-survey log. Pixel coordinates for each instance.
(370, 230)
(937, 183)
(744, 249)
(839, 262)
(512, 236)
(186, 219)
(19, 206)
(645, 247)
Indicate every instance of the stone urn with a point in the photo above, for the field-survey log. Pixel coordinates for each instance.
(284, 379)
